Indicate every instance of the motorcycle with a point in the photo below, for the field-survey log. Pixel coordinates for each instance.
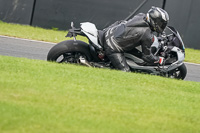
(91, 54)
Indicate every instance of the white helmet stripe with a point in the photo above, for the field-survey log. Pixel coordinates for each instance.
(162, 14)
(148, 19)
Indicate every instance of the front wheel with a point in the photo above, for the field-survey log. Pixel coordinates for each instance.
(178, 73)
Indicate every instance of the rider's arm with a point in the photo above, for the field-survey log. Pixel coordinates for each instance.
(150, 44)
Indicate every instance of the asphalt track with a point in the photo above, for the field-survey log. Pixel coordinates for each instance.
(10, 46)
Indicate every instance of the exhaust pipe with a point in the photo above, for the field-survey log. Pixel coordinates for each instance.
(83, 61)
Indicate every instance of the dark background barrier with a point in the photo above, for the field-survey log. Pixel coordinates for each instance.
(16, 11)
(59, 13)
(184, 14)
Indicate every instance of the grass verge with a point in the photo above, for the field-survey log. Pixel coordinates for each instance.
(43, 97)
(192, 55)
(36, 33)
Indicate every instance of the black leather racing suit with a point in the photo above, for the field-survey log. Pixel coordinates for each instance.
(124, 36)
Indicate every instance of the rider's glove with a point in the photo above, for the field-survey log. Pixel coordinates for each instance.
(161, 60)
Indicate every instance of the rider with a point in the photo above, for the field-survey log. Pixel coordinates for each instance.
(123, 36)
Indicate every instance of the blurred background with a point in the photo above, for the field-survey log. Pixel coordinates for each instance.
(184, 14)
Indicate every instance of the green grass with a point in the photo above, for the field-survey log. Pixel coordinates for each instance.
(44, 97)
(36, 33)
(192, 55)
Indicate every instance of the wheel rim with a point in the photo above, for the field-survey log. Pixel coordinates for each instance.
(71, 57)
(175, 74)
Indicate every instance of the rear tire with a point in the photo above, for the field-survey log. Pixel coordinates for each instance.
(69, 52)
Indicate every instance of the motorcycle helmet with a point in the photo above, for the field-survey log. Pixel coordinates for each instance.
(157, 19)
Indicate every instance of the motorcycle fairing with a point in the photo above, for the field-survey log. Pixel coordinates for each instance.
(90, 30)
(176, 33)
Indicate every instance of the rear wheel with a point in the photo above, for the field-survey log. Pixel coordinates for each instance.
(178, 73)
(69, 57)
(69, 52)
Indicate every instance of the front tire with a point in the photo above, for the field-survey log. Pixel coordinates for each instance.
(179, 73)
